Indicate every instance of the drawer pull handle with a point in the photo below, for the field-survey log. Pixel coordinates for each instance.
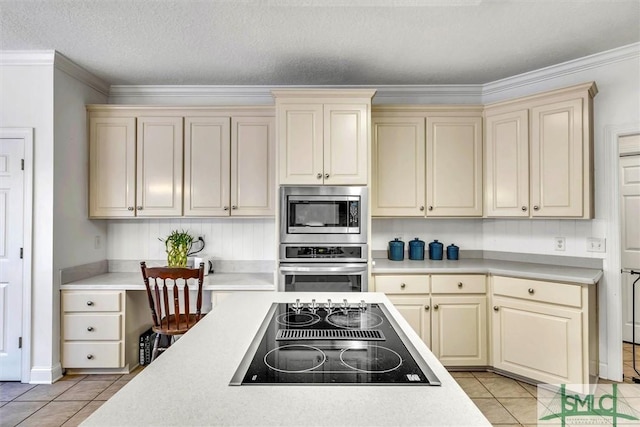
(402, 285)
(426, 307)
(459, 284)
(531, 291)
(90, 329)
(435, 307)
(90, 303)
(89, 356)
(496, 308)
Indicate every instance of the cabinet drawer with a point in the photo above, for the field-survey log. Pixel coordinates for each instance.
(404, 284)
(92, 355)
(92, 327)
(459, 284)
(535, 290)
(92, 301)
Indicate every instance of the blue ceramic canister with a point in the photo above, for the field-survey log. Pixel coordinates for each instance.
(435, 250)
(416, 249)
(452, 252)
(396, 250)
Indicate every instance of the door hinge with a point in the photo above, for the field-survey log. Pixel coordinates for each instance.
(19, 342)
(21, 253)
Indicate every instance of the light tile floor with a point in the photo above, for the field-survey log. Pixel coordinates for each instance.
(504, 401)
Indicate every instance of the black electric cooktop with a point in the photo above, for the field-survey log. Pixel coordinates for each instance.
(331, 343)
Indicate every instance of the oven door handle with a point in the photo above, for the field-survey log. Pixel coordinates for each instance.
(324, 269)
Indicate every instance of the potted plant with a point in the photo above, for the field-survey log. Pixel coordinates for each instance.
(178, 244)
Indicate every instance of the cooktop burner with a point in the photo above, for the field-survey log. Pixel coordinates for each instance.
(311, 343)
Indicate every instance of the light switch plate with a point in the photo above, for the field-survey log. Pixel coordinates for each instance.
(596, 244)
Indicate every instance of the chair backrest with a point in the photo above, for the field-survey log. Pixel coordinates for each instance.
(160, 282)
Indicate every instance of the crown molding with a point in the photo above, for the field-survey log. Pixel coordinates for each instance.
(69, 67)
(27, 57)
(558, 70)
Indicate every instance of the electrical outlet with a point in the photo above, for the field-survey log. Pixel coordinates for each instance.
(596, 244)
(559, 243)
(96, 242)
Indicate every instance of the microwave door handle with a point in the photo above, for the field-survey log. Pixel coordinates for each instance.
(356, 269)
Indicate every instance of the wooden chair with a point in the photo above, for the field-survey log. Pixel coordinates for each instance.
(170, 314)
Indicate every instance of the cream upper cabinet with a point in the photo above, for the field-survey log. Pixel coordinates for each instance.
(253, 166)
(507, 164)
(112, 167)
(229, 166)
(398, 166)
(323, 136)
(539, 155)
(207, 174)
(454, 165)
(159, 166)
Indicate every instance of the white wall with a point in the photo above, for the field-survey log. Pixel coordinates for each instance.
(235, 239)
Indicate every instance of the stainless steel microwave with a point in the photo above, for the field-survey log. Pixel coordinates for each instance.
(323, 214)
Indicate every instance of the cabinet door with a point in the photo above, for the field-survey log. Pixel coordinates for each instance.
(159, 166)
(398, 176)
(346, 138)
(252, 166)
(557, 159)
(206, 167)
(454, 166)
(112, 167)
(300, 144)
(459, 330)
(416, 311)
(507, 164)
(539, 341)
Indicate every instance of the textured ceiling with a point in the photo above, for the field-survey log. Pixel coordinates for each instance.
(317, 42)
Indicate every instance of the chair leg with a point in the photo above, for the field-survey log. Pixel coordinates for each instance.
(156, 342)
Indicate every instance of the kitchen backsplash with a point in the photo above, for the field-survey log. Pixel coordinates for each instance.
(242, 239)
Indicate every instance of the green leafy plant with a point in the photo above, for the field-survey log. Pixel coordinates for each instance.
(177, 244)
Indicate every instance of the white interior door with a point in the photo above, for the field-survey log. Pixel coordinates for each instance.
(630, 240)
(11, 263)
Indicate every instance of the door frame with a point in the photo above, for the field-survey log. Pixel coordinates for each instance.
(612, 298)
(26, 134)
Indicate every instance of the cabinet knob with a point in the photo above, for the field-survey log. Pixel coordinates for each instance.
(319, 176)
(226, 208)
(459, 284)
(130, 208)
(535, 208)
(435, 307)
(234, 207)
(89, 303)
(426, 307)
(524, 208)
(421, 208)
(531, 291)
(402, 285)
(89, 356)
(430, 208)
(326, 176)
(496, 308)
(140, 208)
(90, 329)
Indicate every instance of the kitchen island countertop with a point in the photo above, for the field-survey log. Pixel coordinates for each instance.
(189, 384)
(523, 270)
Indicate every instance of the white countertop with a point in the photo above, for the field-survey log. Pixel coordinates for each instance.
(212, 282)
(524, 270)
(188, 384)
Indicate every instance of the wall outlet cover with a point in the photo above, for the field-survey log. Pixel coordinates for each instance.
(596, 244)
(559, 243)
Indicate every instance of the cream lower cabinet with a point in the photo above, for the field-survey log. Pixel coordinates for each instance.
(410, 296)
(101, 329)
(459, 320)
(323, 136)
(544, 331)
(229, 166)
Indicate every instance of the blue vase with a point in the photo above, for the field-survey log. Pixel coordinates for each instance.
(452, 252)
(416, 249)
(396, 250)
(435, 250)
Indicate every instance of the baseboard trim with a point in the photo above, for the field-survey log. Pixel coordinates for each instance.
(45, 375)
